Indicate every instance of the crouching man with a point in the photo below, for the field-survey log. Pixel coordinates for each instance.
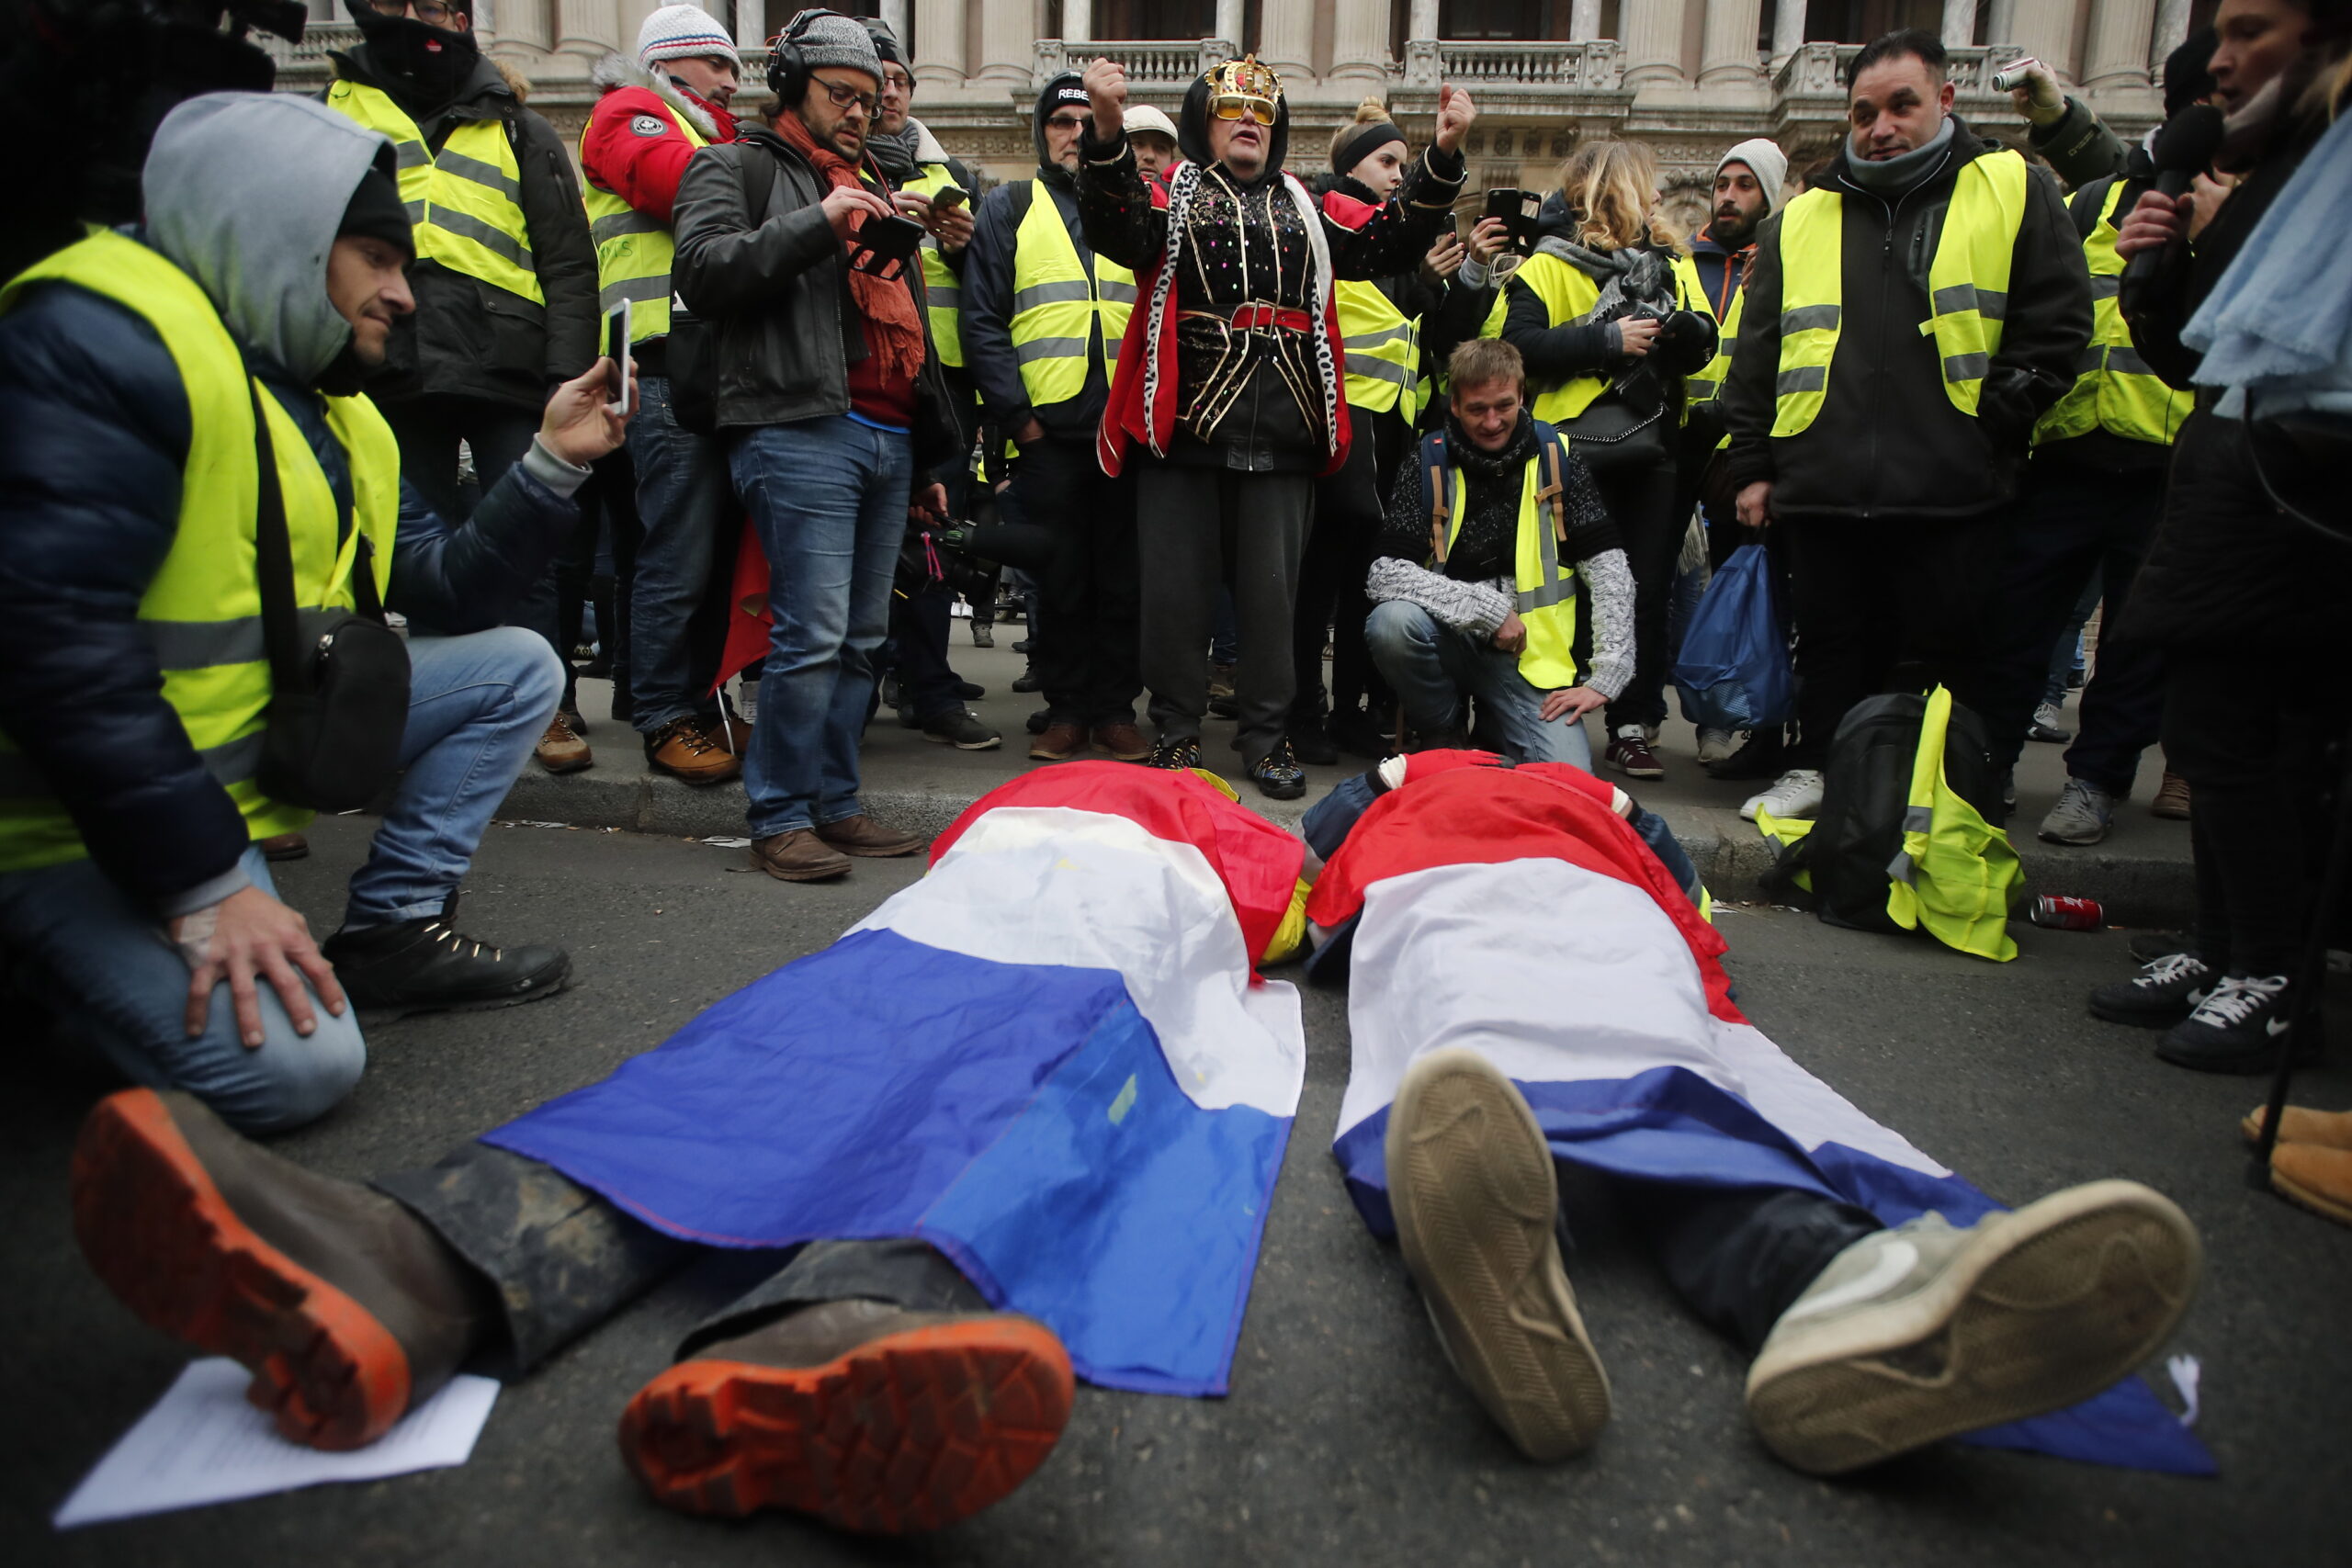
(135, 903)
(1474, 588)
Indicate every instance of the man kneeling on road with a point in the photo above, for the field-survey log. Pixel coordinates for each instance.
(1475, 586)
(134, 899)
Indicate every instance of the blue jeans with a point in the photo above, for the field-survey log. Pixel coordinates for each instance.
(828, 497)
(1434, 667)
(102, 966)
(682, 497)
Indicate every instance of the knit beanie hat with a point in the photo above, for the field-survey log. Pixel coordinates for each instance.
(1766, 162)
(376, 211)
(827, 38)
(684, 32)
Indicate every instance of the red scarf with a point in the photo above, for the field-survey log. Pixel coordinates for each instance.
(893, 328)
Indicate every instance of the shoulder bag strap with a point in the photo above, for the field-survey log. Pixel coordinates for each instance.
(281, 628)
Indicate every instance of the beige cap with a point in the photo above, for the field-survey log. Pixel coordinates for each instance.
(1143, 116)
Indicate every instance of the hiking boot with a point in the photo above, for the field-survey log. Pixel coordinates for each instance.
(684, 750)
(1182, 752)
(1057, 742)
(2164, 991)
(798, 856)
(429, 965)
(1716, 747)
(2049, 725)
(1629, 752)
(1123, 740)
(561, 750)
(1917, 1333)
(346, 1308)
(2321, 1129)
(1471, 1183)
(283, 847)
(1798, 794)
(959, 727)
(2171, 799)
(861, 835)
(1277, 773)
(727, 731)
(2314, 1177)
(2082, 815)
(2239, 1027)
(865, 1414)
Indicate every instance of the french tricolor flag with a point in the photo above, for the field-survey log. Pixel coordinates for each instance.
(1051, 1058)
(1513, 911)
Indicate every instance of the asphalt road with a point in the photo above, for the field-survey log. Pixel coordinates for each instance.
(1346, 1438)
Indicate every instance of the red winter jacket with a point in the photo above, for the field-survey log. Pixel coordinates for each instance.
(633, 147)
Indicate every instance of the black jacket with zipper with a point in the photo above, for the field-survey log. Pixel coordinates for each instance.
(1888, 442)
(777, 293)
(468, 339)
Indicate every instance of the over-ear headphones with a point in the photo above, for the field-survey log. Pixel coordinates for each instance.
(787, 67)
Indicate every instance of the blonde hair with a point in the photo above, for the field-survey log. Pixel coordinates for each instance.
(1610, 188)
(1370, 111)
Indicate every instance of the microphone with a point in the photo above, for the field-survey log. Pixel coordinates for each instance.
(2185, 144)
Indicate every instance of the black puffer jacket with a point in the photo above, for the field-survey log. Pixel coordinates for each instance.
(1888, 442)
(467, 338)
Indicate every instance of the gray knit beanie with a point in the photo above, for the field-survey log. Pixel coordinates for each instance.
(827, 38)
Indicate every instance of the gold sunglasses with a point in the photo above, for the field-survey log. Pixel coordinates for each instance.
(1238, 106)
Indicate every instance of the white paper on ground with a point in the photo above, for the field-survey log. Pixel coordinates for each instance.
(202, 1443)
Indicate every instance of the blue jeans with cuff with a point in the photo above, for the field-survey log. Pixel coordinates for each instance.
(1434, 667)
(683, 499)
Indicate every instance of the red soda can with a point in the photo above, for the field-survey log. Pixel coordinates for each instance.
(2062, 914)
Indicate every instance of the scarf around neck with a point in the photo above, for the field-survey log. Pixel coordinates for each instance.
(893, 329)
(1896, 176)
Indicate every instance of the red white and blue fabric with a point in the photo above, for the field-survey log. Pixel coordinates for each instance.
(1050, 1058)
(1512, 911)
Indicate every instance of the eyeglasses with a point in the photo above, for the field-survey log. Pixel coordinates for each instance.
(1236, 105)
(1068, 122)
(844, 97)
(432, 13)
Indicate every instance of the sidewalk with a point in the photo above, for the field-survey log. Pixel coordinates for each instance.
(2141, 873)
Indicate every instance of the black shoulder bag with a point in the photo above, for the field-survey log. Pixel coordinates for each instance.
(338, 679)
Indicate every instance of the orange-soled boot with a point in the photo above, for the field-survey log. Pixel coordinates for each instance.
(2325, 1129)
(868, 1416)
(2314, 1177)
(344, 1306)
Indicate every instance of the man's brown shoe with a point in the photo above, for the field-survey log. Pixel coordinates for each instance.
(684, 750)
(2313, 1177)
(865, 1414)
(727, 731)
(561, 750)
(284, 846)
(861, 835)
(1057, 743)
(1124, 741)
(798, 856)
(345, 1306)
(2171, 798)
(2322, 1129)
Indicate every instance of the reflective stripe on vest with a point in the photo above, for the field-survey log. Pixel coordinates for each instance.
(1702, 384)
(202, 610)
(1384, 351)
(1057, 308)
(1955, 874)
(942, 291)
(633, 250)
(466, 201)
(1546, 591)
(1968, 287)
(2114, 390)
(1569, 296)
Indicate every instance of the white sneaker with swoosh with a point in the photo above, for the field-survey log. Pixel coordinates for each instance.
(1917, 1333)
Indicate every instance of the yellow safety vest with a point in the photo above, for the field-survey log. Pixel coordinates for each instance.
(633, 250)
(1546, 589)
(202, 611)
(1702, 384)
(1384, 351)
(1056, 306)
(2114, 390)
(465, 200)
(1567, 296)
(1956, 874)
(942, 290)
(1968, 287)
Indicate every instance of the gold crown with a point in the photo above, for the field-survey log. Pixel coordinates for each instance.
(1245, 78)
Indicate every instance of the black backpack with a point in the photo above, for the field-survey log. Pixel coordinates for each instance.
(1866, 794)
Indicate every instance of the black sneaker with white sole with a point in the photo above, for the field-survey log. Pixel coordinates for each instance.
(960, 728)
(2240, 1027)
(2163, 992)
(430, 966)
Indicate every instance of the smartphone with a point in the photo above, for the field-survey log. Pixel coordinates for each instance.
(616, 348)
(1512, 207)
(883, 245)
(946, 197)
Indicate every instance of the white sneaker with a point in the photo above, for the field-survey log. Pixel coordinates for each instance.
(2081, 815)
(1914, 1333)
(1796, 794)
(1715, 745)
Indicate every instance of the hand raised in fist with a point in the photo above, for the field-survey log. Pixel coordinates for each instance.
(1454, 113)
(1107, 83)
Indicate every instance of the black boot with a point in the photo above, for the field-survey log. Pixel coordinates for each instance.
(427, 966)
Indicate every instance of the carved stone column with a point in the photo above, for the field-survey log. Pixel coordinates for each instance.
(2045, 30)
(2172, 31)
(1730, 58)
(2116, 53)
(1358, 41)
(593, 26)
(939, 41)
(1285, 41)
(1078, 21)
(1959, 23)
(1229, 25)
(891, 11)
(1788, 30)
(1008, 32)
(1653, 42)
(1584, 20)
(751, 27)
(521, 32)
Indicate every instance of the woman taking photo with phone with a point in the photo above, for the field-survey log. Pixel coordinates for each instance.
(1599, 313)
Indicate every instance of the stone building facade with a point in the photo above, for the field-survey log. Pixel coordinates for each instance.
(1689, 77)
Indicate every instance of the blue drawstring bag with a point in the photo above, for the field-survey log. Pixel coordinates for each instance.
(1734, 668)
